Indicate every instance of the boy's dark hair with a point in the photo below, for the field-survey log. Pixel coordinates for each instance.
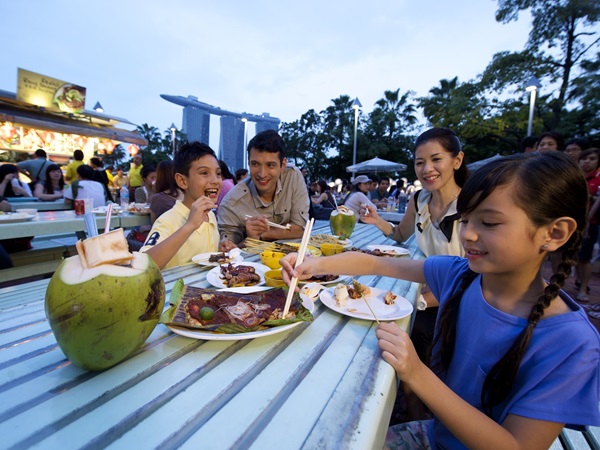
(85, 172)
(97, 162)
(268, 141)
(449, 140)
(78, 155)
(40, 153)
(147, 170)
(543, 202)
(190, 152)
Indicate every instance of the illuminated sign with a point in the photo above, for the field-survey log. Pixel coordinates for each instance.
(49, 93)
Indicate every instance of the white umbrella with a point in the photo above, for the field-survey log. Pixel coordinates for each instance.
(376, 165)
(477, 164)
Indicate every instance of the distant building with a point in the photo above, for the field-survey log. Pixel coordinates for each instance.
(196, 125)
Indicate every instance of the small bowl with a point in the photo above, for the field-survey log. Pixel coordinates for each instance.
(331, 249)
(271, 259)
(274, 278)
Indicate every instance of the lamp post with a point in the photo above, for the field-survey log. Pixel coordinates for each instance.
(98, 107)
(245, 141)
(173, 129)
(532, 86)
(355, 106)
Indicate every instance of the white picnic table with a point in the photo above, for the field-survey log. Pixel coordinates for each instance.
(40, 205)
(56, 222)
(319, 385)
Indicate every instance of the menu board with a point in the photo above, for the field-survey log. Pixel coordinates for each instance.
(50, 93)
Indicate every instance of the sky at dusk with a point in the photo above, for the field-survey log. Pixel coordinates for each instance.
(253, 57)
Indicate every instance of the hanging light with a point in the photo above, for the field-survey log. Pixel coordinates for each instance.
(98, 107)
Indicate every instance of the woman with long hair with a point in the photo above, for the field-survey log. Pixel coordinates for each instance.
(167, 191)
(228, 181)
(52, 188)
(10, 185)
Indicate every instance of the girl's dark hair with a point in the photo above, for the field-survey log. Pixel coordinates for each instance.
(547, 185)
(6, 169)
(190, 152)
(48, 188)
(589, 151)
(225, 172)
(325, 189)
(165, 178)
(239, 174)
(450, 142)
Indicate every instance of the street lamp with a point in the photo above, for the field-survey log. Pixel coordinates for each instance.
(173, 129)
(532, 86)
(355, 106)
(245, 141)
(98, 107)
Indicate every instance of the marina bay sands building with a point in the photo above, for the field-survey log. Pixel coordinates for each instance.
(233, 127)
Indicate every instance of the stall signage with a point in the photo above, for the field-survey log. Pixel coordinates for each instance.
(49, 93)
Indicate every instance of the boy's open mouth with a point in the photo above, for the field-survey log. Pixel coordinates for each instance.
(209, 192)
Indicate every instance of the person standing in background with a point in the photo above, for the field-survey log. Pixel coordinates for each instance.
(134, 180)
(240, 174)
(71, 174)
(529, 143)
(35, 168)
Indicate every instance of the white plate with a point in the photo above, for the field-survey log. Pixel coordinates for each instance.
(202, 258)
(102, 210)
(359, 309)
(213, 276)
(391, 250)
(210, 336)
(16, 217)
(337, 280)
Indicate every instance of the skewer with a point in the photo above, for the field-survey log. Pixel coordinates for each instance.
(370, 309)
(108, 216)
(301, 252)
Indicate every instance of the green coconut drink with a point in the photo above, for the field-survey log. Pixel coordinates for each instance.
(100, 315)
(342, 222)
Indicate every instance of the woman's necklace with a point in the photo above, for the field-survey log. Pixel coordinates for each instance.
(440, 217)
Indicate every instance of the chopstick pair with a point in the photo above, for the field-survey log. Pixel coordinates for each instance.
(299, 260)
(272, 224)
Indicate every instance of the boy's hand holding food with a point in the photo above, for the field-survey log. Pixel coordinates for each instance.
(199, 211)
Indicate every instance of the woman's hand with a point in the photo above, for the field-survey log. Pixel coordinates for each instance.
(368, 214)
(398, 350)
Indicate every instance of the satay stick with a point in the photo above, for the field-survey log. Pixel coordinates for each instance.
(301, 252)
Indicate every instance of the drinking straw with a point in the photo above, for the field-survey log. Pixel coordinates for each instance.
(108, 215)
(301, 252)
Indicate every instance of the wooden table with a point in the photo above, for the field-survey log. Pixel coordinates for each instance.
(33, 203)
(57, 222)
(318, 385)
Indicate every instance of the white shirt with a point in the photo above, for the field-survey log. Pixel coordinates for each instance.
(88, 189)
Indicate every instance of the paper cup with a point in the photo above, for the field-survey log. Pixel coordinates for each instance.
(88, 205)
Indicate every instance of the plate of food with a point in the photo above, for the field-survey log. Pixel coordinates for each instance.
(319, 239)
(218, 258)
(140, 209)
(349, 300)
(237, 275)
(325, 279)
(388, 250)
(16, 217)
(211, 315)
(70, 98)
(290, 247)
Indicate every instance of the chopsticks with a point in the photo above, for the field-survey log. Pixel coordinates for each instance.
(108, 216)
(301, 253)
(258, 246)
(370, 309)
(274, 225)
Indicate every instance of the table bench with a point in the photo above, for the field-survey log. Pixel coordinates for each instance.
(575, 440)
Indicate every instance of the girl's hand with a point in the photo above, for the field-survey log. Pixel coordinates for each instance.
(199, 211)
(303, 271)
(398, 350)
(368, 214)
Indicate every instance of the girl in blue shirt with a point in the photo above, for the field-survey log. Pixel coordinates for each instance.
(514, 358)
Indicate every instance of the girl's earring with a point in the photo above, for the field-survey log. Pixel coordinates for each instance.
(545, 246)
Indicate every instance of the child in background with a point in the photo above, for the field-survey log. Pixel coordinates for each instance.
(190, 227)
(514, 358)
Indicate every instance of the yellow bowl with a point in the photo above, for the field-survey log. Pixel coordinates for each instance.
(271, 259)
(331, 249)
(274, 278)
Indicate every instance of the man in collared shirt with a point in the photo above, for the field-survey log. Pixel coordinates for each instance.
(273, 192)
(35, 168)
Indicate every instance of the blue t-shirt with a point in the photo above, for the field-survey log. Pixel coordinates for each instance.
(559, 376)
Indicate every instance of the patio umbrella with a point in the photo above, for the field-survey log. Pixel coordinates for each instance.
(477, 164)
(376, 165)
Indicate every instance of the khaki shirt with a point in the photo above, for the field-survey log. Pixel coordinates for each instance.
(290, 205)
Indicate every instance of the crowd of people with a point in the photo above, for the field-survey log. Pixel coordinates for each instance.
(498, 356)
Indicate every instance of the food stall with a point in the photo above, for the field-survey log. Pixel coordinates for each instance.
(50, 114)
